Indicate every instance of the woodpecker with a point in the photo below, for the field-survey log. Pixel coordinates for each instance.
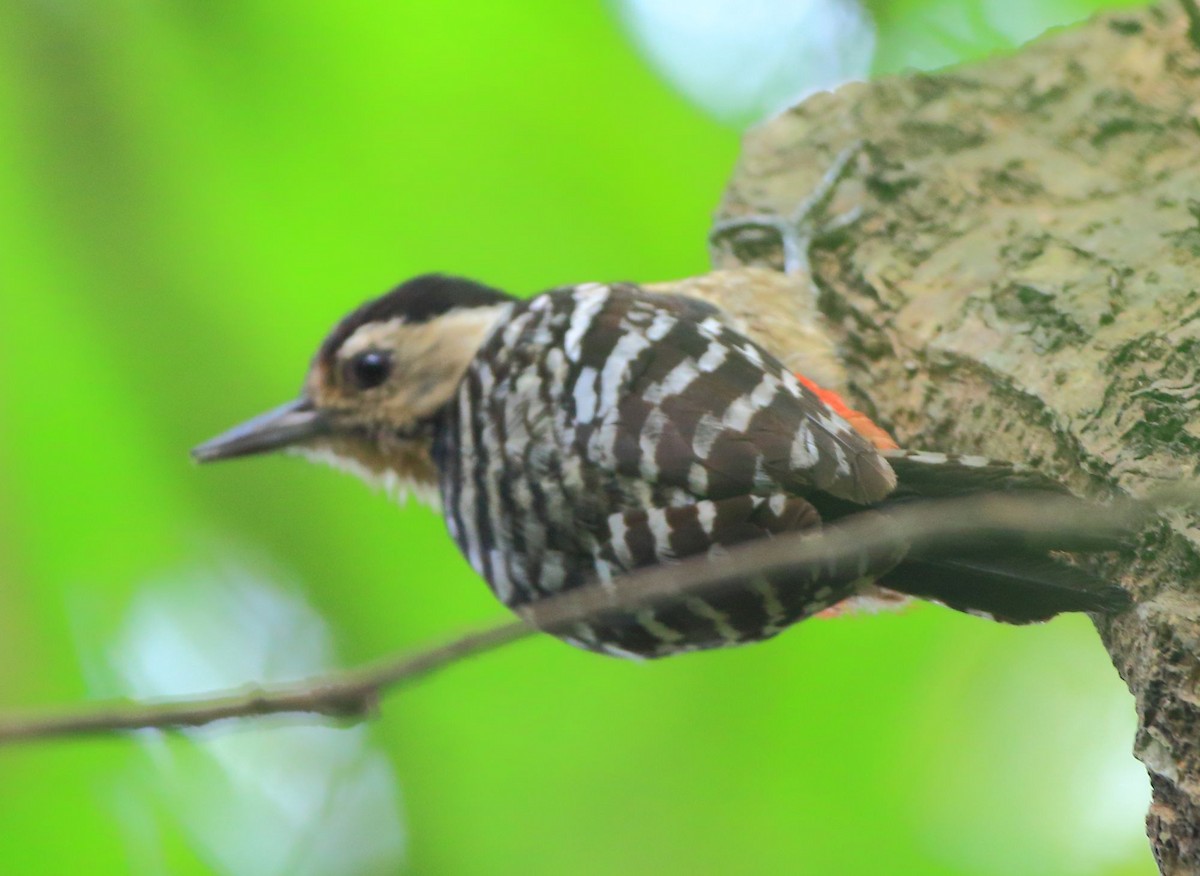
(590, 430)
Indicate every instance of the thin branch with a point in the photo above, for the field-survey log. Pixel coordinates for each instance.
(1053, 521)
(352, 694)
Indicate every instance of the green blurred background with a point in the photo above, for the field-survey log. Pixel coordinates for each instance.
(190, 194)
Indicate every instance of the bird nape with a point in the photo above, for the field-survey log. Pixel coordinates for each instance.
(596, 429)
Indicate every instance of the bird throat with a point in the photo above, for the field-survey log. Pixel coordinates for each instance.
(400, 465)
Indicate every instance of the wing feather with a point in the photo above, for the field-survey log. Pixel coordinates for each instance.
(701, 394)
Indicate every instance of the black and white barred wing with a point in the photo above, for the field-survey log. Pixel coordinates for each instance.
(699, 439)
(603, 429)
(665, 393)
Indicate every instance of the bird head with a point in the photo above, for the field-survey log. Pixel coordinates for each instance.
(377, 383)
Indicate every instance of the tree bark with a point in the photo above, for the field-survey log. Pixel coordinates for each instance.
(1023, 281)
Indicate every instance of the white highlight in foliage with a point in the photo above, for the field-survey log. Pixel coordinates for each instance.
(743, 60)
(272, 797)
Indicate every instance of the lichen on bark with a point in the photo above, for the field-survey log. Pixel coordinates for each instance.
(1024, 281)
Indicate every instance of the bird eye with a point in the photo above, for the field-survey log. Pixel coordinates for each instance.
(370, 369)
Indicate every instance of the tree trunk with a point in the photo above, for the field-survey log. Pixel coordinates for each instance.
(1023, 281)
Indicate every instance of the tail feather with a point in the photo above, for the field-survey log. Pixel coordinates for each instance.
(1011, 577)
(1011, 588)
(924, 473)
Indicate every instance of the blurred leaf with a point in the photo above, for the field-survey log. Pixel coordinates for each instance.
(320, 799)
(743, 60)
(1071, 818)
(928, 34)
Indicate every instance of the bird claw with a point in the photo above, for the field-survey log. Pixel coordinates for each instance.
(805, 224)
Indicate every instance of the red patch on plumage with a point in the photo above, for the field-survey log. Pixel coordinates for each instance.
(862, 424)
(878, 436)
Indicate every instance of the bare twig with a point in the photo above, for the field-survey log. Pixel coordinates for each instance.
(1053, 520)
(352, 694)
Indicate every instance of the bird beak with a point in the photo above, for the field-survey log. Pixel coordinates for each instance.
(285, 426)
